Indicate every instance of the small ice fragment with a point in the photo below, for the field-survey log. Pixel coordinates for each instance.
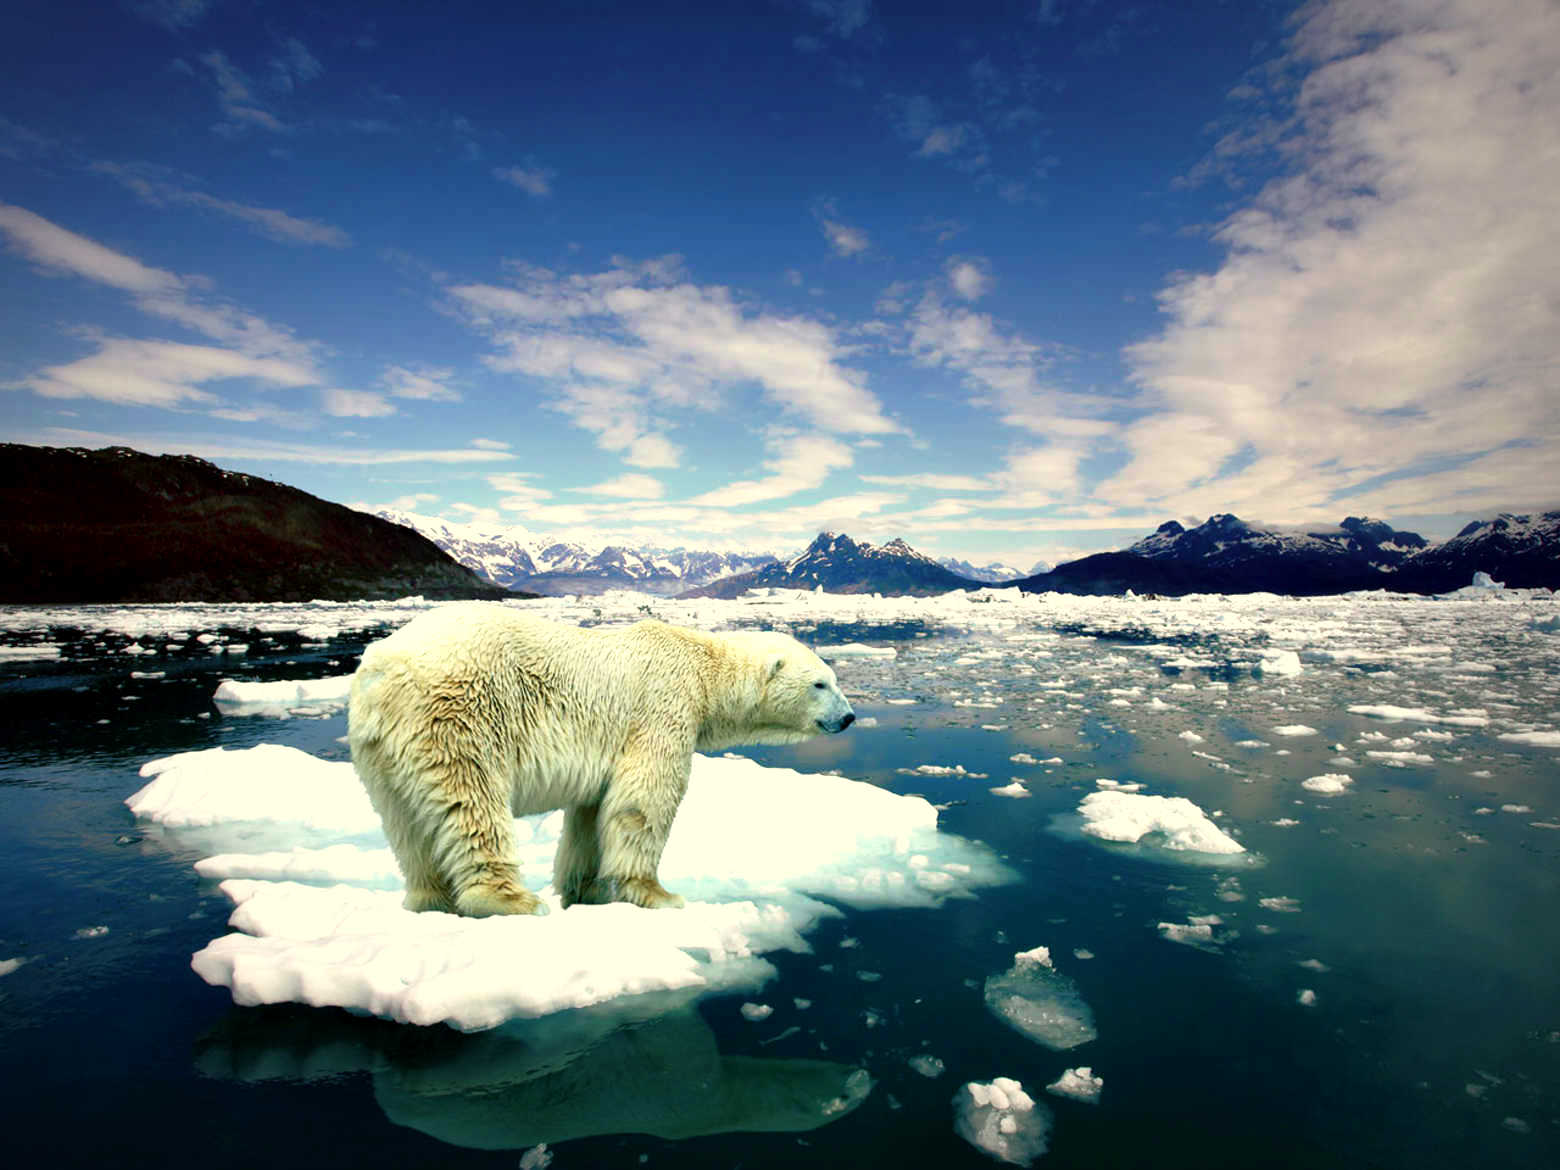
(1179, 824)
(1306, 998)
(927, 1065)
(1328, 784)
(538, 1157)
(1078, 1083)
(1515, 808)
(91, 932)
(1515, 1125)
(1280, 905)
(1286, 822)
(1294, 729)
(9, 965)
(1187, 933)
(1315, 965)
(755, 1012)
(1191, 737)
(801, 1004)
(1015, 790)
(1082, 953)
(1279, 662)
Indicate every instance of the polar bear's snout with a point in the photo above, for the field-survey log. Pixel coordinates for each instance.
(836, 726)
(839, 716)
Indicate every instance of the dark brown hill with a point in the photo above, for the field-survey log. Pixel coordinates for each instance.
(119, 525)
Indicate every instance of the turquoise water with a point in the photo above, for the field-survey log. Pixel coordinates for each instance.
(1417, 908)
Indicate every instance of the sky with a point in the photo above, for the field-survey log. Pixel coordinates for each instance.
(1014, 281)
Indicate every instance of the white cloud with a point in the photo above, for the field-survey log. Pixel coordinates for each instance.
(844, 239)
(294, 65)
(1389, 304)
(628, 487)
(236, 95)
(969, 276)
(173, 15)
(935, 482)
(798, 463)
(490, 444)
(155, 291)
(355, 404)
(268, 221)
(427, 383)
(259, 450)
(622, 349)
(48, 244)
(408, 503)
(532, 180)
(160, 373)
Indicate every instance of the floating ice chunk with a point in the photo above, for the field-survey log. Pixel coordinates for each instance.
(1399, 759)
(1117, 786)
(1002, 1120)
(1515, 808)
(1463, 717)
(1294, 729)
(34, 653)
(357, 948)
(1174, 823)
(1314, 965)
(1194, 934)
(1306, 998)
(1328, 784)
(927, 1065)
(148, 674)
(1015, 790)
(1191, 737)
(1280, 905)
(855, 650)
(264, 783)
(1037, 1000)
(1549, 739)
(1078, 1083)
(754, 1012)
(1022, 758)
(9, 965)
(277, 699)
(1279, 662)
(90, 932)
(1286, 822)
(941, 770)
(538, 1157)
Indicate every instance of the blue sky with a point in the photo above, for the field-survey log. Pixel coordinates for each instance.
(1007, 280)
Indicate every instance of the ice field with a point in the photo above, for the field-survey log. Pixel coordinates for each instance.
(1204, 881)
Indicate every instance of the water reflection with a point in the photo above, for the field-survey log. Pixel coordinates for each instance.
(573, 1075)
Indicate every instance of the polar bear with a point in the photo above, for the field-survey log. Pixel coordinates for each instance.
(472, 714)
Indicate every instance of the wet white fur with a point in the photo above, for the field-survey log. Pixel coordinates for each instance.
(473, 714)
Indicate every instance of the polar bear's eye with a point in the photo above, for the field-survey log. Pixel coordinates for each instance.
(818, 685)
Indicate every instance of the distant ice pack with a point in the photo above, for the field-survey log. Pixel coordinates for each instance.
(318, 917)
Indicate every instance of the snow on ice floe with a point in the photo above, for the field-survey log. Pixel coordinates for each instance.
(1002, 1120)
(1170, 828)
(1034, 998)
(318, 917)
(1468, 717)
(1328, 784)
(855, 650)
(1549, 739)
(1078, 1083)
(282, 698)
(1279, 663)
(1294, 730)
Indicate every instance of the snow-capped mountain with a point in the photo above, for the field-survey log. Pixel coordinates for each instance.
(517, 558)
(842, 565)
(993, 573)
(1227, 555)
(1519, 550)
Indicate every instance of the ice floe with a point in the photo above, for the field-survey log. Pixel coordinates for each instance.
(1078, 1083)
(1002, 1120)
(318, 918)
(1036, 999)
(1328, 784)
(1163, 824)
(279, 699)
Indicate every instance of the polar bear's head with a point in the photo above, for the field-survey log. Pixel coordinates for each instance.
(798, 695)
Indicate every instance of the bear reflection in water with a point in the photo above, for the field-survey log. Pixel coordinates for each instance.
(578, 1075)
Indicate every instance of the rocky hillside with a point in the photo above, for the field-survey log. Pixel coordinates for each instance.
(1519, 551)
(119, 525)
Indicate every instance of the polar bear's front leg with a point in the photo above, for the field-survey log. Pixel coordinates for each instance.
(578, 860)
(632, 826)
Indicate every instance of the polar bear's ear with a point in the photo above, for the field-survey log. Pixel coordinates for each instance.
(776, 665)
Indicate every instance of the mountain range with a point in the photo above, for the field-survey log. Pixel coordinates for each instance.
(119, 525)
(517, 558)
(1223, 555)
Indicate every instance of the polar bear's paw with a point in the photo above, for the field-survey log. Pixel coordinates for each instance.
(486, 901)
(636, 891)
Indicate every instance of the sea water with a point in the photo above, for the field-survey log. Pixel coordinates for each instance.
(1367, 977)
